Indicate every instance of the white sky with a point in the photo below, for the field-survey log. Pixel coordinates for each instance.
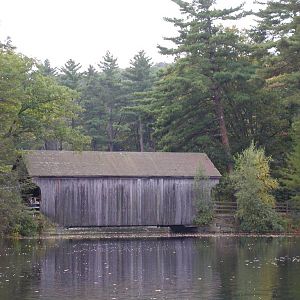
(84, 30)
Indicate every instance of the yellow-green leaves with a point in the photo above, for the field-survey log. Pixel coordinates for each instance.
(253, 186)
(253, 162)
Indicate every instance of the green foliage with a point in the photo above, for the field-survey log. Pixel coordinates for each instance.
(27, 225)
(276, 43)
(94, 114)
(117, 114)
(46, 70)
(253, 185)
(70, 74)
(34, 109)
(224, 191)
(15, 219)
(203, 201)
(277, 35)
(212, 64)
(277, 19)
(292, 173)
(112, 99)
(139, 80)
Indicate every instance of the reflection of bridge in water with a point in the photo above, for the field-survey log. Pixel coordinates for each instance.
(128, 269)
(203, 268)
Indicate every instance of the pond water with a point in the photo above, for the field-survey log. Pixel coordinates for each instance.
(181, 268)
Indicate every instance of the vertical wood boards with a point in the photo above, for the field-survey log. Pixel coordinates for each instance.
(110, 201)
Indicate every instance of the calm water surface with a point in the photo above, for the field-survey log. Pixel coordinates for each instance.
(202, 268)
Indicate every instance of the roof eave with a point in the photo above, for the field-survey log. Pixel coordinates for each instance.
(114, 176)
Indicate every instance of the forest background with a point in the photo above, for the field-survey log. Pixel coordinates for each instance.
(227, 88)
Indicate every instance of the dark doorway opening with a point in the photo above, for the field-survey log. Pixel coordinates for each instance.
(34, 198)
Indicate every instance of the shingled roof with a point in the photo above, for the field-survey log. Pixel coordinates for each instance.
(119, 164)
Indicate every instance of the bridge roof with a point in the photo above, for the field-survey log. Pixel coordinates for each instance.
(118, 164)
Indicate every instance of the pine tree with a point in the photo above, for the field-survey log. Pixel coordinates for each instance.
(277, 37)
(139, 81)
(276, 41)
(211, 49)
(183, 123)
(70, 77)
(94, 116)
(70, 74)
(277, 19)
(7, 45)
(46, 69)
(111, 97)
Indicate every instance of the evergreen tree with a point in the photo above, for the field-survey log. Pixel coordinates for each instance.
(7, 45)
(139, 81)
(277, 38)
(277, 19)
(183, 122)
(70, 77)
(276, 41)
(214, 51)
(255, 112)
(292, 173)
(94, 116)
(70, 74)
(46, 69)
(111, 97)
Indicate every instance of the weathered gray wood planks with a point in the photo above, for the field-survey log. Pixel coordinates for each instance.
(113, 201)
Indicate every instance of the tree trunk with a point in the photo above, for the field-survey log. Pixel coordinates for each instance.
(110, 131)
(222, 125)
(94, 145)
(141, 134)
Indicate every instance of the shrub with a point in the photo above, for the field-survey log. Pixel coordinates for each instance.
(253, 185)
(204, 205)
(224, 191)
(15, 219)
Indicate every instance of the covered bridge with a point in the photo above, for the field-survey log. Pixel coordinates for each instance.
(119, 188)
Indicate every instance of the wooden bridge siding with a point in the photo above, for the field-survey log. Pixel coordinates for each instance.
(118, 201)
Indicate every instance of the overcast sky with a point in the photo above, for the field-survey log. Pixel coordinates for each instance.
(84, 30)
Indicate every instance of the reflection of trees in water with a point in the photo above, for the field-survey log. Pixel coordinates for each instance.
(288, 272)
(225, 263)
(255, 273)
(19, 264)
(206, 268)
(252, 262)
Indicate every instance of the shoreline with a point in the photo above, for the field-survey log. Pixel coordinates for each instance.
(116, 236)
